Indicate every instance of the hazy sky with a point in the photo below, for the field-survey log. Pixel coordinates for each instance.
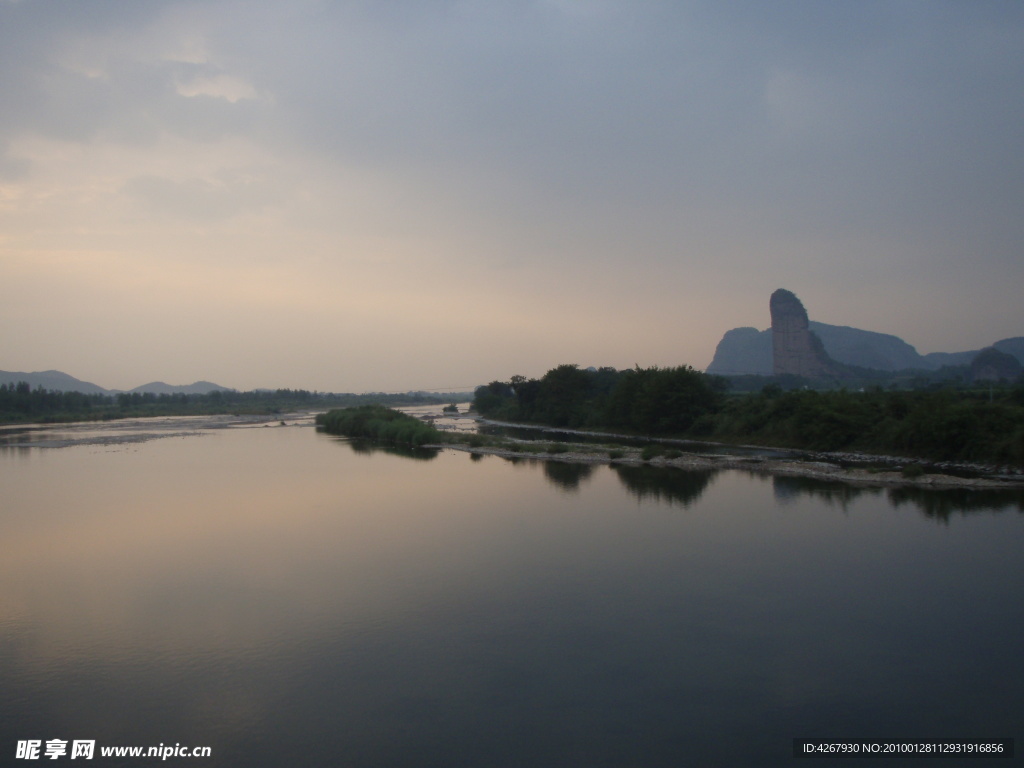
(397, 194)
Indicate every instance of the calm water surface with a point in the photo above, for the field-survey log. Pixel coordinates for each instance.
(289, 598)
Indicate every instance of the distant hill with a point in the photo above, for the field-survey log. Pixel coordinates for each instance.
(868, 349)
(743, 351)
(53, 380)
(62, 382)
(198, 388)
(749, 351)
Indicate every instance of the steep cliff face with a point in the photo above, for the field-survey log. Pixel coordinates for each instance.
(750, 351)
(796, 349)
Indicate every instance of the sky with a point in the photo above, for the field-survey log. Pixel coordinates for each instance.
(385, 195)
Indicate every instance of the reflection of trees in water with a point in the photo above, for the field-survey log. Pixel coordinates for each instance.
(787, 489)
(567, 475)
(371, 447)
(669, 484)
(941, 504)
(936, 503)
(564, 474)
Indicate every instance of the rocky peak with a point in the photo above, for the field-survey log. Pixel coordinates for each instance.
(795, 348)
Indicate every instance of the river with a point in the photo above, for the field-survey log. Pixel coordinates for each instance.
(285, 597)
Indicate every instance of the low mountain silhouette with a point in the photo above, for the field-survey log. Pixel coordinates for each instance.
(198, 388)
(53, 380)
(62, 382)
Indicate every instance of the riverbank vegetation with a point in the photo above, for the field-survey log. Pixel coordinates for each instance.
(651, 400)
(19, 403)
(377, 422)
(946, 424)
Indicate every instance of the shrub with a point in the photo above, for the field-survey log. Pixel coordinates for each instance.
(650, 451)
(379, 423)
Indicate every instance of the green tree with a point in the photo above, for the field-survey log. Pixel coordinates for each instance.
(562, 395)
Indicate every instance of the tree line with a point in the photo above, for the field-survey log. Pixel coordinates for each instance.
(653, 400)
(20, 403)
(948, 423)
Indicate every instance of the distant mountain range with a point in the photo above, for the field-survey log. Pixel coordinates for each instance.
(62, 382)
(749, 351)
(197, 388)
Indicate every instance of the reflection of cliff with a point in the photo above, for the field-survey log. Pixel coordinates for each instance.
(675, 486)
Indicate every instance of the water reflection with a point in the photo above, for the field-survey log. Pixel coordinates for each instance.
(566, 475)
(942, 504)
(673, 485)
(789, 489)
(369, 447)
(265, 593)
(935, 503)
(670, 485)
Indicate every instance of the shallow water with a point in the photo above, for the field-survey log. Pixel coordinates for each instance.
(290, 598)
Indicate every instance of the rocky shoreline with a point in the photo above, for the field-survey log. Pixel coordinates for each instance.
(878, 471)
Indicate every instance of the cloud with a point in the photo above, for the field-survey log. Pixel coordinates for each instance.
(226, 87)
